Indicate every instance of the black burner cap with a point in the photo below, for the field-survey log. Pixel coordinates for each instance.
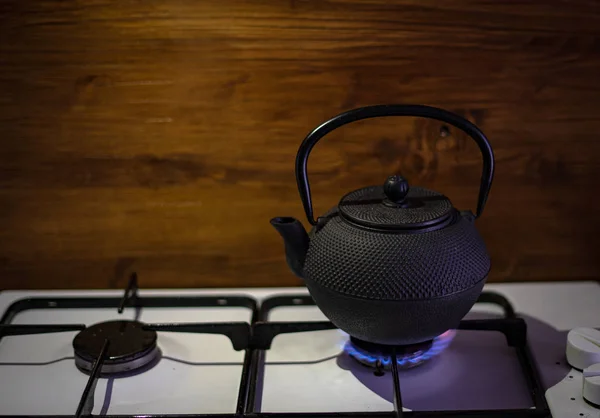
(128, 341)
(386, 350)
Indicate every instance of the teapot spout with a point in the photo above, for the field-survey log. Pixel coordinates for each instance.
(296, 242)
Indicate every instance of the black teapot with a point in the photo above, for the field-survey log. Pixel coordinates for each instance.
(392, 264)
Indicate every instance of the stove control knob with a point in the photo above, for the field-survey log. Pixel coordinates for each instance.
(591, 384)
(583, 347)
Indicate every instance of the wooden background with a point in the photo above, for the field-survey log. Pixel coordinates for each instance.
(160, 136)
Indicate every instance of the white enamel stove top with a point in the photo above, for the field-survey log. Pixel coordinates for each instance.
(302, 372)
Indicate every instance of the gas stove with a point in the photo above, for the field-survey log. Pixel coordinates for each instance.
(524, 350)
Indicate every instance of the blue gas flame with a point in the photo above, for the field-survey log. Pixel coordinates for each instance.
(438, 345)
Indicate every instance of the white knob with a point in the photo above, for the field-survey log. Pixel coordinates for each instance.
(583, 347)
(591, 384)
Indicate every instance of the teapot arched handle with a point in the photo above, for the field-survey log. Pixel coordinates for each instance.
(393, 110)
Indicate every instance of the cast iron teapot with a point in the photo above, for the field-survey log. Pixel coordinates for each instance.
(392, 264)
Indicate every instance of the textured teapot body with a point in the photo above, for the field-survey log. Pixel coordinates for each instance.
(395, 288)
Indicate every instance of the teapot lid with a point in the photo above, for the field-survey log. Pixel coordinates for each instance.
(396, 206)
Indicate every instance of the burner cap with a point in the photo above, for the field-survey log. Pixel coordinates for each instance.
(379, 356)
(131, 347)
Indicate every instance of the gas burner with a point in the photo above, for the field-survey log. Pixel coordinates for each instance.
(131, 347)
(379, 356)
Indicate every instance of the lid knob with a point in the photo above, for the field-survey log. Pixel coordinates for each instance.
(396, 188)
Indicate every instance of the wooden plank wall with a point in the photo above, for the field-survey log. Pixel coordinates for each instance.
(160, 136)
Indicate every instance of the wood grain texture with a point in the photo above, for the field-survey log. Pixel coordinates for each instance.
(160, 136)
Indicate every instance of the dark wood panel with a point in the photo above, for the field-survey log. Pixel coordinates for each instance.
(161, 136)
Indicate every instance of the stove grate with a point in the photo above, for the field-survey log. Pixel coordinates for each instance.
(512, 327)
(257, 336)
(239, 333)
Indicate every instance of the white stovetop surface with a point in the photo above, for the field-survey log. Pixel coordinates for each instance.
(301, 372)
